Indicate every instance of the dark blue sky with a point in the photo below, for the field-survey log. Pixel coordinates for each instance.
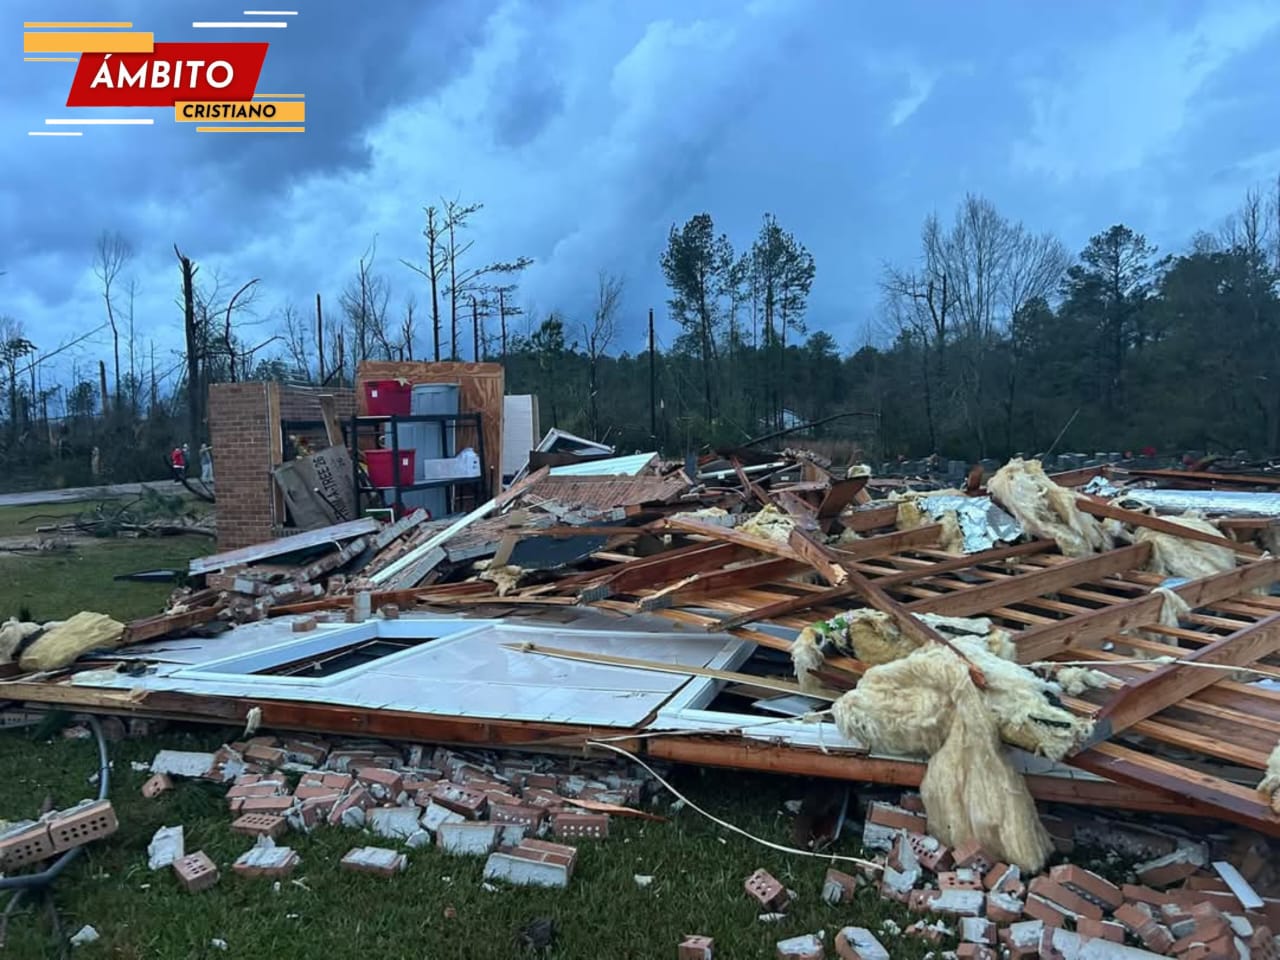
(588, 128)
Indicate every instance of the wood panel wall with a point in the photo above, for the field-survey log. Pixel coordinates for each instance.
(482, 386)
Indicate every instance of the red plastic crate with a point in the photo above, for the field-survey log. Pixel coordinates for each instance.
(381, 472)
(387, 398)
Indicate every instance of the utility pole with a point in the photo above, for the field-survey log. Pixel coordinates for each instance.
(475, 331)
(320, 337)
(653, 384)
(502, 319)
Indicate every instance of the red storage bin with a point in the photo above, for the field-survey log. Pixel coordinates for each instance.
(388, 398)
(381, 472)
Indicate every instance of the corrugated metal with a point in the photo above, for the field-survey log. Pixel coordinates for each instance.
(628, 466)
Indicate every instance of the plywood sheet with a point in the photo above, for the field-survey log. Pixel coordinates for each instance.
(481, 390)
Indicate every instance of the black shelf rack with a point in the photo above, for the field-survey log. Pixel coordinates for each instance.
(398, 489)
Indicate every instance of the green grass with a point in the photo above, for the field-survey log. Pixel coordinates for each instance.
(698, 869)
(22, 521)
(58, 584)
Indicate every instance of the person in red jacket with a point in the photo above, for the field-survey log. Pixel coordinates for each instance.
(178, 460)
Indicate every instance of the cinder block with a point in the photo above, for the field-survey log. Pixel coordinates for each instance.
(196, 871)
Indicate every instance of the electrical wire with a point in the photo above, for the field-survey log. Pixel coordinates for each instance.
(781, 848)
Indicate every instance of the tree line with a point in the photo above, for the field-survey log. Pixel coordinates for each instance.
(993, 339)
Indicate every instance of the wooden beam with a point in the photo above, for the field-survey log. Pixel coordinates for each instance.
(820, 557)
(1174, 682)
(706, 585)
(743, 753)
(665, 568)
(782, 608)
(886, 544)
(332, 426)
(1040, 643)
(1021, 587)
(285, 545)
(1109, 511)
(840, 495)
(872, 518)
(1199, 792)
(995, 555)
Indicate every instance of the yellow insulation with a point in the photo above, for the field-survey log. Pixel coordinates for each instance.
(1045, 509)
(1191, 559)
(769, 524)
(1270, 785)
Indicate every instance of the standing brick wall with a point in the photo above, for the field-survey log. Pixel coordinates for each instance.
(244, 431)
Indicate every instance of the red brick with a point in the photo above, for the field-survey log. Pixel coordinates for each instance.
(1004, 907)
(963, 878)
(838, 886)
(1048, 913)
(1100, 929)
(574, 825)
(1140, 894)
(266, 804)
(196, 871)
(975, 951)
(696, 948)
(1059, 895)
(156, 785)
(264, 788)
(260, 824)
(460, 799)
(530, 816)
(886, 815)
(262, 753)
(377, 779)
(931, 852)
(1088, 885)
(770, 894)
(971, 855)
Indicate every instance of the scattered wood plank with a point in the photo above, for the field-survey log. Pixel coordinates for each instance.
(285, 545)
(1101, 508)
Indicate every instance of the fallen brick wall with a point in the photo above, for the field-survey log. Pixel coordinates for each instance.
(244, 431)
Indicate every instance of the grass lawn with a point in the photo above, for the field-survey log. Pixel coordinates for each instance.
(698, 870)
(57, 584)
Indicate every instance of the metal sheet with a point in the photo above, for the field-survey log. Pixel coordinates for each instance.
(982, 522)
(468, 674)
(1218, 503)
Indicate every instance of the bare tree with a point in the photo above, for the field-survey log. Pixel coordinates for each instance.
(433, 271)
(364, 302)
(298, 339)
(407, 329)
(597, 336)
(919, 304)
(506, 308)
(111, 255)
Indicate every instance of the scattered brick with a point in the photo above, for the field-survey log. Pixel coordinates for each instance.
(1004, 907)
(260, 825)
(469, 803)
(1047, 912)
(859, 943)
(805, 947)
(265, 859)
(525, 815)
(696, 948)
(930, 851)
(375, 860)
(276, 804)
(838, 886)
(1169, 869)
(156, 785)
(1100, 929)
(467, 838)
(1087, 885)
(383, 784)
(272, 756)
(196, 871)
(976, 951)
(768, 892)
(971, 855)
(1070, 903)
(572, 826)
(977, 930)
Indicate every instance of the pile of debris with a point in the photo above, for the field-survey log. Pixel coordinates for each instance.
(500, 807)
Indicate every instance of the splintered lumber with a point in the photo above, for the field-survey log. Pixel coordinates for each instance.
(285, 545)
(1012, 590)
(1050, 639)
(701, 586)
(423, 550)
(149, 628)
(1110, 511)
(870, 518)
(664, 568)
(1175, 682)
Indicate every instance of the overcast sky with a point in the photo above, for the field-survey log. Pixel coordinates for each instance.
(587, 128)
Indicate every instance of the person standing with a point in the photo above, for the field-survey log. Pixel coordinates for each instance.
(178, 461)
(206, 463)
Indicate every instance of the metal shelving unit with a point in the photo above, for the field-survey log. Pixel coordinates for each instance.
(398, 489)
